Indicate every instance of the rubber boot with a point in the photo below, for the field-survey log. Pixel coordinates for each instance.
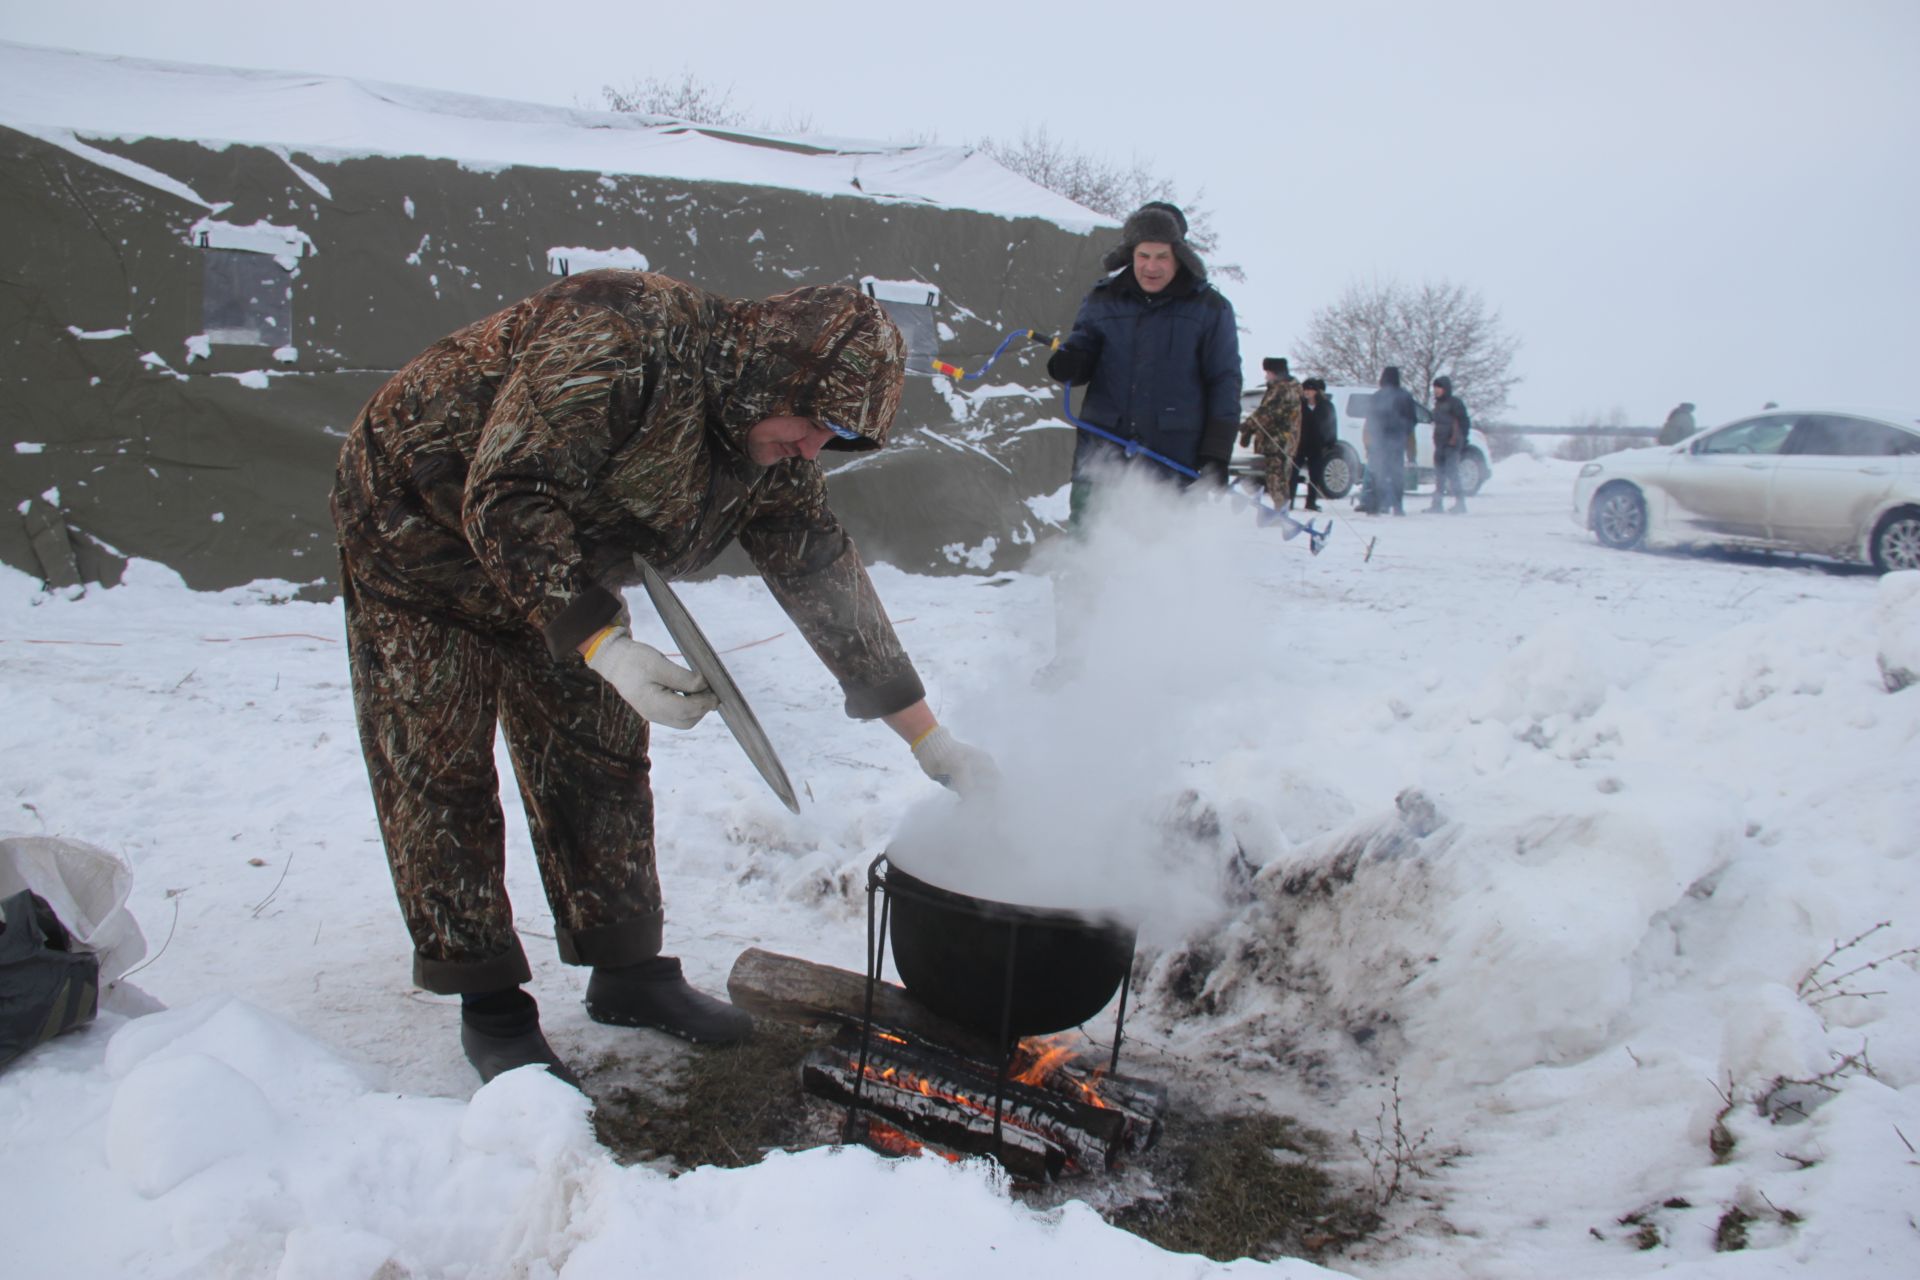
(501, 1031)
(1459, 507)
(654, 994)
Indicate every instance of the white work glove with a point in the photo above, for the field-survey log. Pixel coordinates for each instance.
(953, 764)
(658, 688)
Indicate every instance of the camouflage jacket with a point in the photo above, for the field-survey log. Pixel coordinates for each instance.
(1274, 425)
(508, 475)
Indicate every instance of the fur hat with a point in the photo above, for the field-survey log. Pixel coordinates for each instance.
(1314, 384)
(1173, 209)
(1160, 223)
(1275, 364)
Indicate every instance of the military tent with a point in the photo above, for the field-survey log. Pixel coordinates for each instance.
(208, 271)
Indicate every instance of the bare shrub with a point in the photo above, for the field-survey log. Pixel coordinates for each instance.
(1827, 981)
(1392, 1155)
(697, 101)
(1106, 186)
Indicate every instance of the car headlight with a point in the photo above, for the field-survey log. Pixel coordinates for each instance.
(1591, 469)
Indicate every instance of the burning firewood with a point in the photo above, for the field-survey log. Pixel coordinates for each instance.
(929, 1081)
(1052, 1122)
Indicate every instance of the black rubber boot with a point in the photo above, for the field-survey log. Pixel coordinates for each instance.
(654, 994)
(501, 1031)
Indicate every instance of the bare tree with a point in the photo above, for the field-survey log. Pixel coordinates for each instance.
(1587, 448)
(1433, 329)
(1106, 186)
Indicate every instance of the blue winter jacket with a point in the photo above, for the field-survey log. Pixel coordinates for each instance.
(1166, 368)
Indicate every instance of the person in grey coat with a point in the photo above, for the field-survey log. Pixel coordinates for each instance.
(1390, 422)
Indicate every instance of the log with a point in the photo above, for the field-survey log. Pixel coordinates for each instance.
(1141, 1103)
(797, 990)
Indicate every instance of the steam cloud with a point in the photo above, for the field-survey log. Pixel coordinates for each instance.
(1155, 624)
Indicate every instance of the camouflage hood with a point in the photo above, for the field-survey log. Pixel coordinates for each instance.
(826, 352)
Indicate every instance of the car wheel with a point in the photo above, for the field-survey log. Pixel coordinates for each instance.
(1896, 540)
(1473, 470)
(1338, 471)
(1619, 516)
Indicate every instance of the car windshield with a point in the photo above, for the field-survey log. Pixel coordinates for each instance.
(1756, 435)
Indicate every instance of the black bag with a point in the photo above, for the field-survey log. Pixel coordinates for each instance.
(46, 987)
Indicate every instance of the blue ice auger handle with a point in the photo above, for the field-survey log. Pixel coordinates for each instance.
(1263, 514)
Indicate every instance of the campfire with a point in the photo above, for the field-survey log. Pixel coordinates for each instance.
(935, 1067)
(1045, 1112)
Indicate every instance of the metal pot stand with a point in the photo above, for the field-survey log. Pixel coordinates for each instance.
(882, 888)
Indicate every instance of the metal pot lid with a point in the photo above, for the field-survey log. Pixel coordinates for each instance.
(701, 657)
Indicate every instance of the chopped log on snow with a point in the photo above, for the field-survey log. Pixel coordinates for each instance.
(788, 987)
(950, 1100)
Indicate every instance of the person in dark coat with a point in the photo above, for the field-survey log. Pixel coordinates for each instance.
(1450, 425)
(1319, 432)
(1157, 348)
(1679, 424)
(1390, 422)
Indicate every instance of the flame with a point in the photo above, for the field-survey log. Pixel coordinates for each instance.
(1048, 1054)
(888, 1140)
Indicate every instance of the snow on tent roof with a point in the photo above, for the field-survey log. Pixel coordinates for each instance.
(58, 95)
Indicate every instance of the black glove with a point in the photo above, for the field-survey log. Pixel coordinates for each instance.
(1070, 364)
(1216, 439)
(1213, 473)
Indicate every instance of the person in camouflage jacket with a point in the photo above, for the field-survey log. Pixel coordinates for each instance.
(1274, 428)
(490, 502)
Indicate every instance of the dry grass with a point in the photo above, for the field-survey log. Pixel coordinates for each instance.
(1248, 1186)
(730, 1107)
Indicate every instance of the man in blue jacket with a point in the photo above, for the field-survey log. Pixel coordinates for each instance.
(1156, 346)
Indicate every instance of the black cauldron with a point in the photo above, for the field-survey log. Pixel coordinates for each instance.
(992, 966)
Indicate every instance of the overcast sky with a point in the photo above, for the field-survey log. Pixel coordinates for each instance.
(1708, 201)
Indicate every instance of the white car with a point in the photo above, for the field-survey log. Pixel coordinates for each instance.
(1843, 483)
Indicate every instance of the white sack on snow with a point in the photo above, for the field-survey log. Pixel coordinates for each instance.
(86, 886)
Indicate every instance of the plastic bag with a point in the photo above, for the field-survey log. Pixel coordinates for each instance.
(47, 986)
(86, 886)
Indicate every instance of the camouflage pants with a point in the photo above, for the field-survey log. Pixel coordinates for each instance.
(427, 693)
(1279, 482)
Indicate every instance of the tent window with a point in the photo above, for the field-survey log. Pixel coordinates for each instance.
(910, 305)
(246, 299)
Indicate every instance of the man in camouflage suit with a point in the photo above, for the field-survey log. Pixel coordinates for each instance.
(490, 501)
(1274, 428)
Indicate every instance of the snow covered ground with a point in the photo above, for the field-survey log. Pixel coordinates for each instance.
(1644, 797)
